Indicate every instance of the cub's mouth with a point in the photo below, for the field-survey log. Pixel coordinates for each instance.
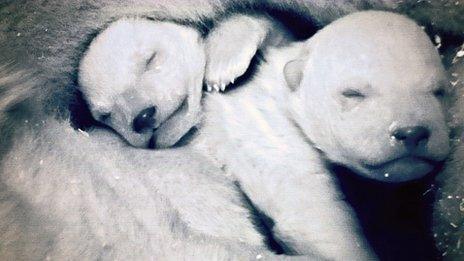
(152, 140)
(402, 169)
(184, 140)
(404, 160)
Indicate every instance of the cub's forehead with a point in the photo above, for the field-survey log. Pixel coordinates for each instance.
(374, 34)
(120, 54)
(378, 46)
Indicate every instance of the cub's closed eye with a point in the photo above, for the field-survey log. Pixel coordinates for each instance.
(353, 93)
(150, 60)
(104, 116)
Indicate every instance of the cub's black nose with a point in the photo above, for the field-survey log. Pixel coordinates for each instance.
(145, 120)
(411, 136)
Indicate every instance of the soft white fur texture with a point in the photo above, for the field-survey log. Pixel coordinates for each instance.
(45, 37)
(41, 153)
(283, 174)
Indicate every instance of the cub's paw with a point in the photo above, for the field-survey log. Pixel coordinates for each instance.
(230, 48)
(228, 57)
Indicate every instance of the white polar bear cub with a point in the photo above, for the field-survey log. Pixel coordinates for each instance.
(364, 92)
(144, 79)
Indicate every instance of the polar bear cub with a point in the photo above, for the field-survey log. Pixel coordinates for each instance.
(365, 92)
(144, 79)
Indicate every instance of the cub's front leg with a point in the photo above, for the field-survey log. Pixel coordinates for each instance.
(231, 45)
(314, 218)
(309, 212)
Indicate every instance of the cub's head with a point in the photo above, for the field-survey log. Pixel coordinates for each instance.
(137, 74)
(369, 95)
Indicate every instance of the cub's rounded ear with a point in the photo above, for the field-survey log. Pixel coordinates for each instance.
(293, 73)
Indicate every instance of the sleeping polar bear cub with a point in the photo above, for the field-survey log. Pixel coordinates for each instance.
(364, 92)
(404, 100)
(144, 79)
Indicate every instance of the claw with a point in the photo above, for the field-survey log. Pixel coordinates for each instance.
(232, 81)
(216, 87)
(223, 86)
(208, 88)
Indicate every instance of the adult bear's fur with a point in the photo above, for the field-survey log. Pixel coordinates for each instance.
(449, 207)
(40, 45)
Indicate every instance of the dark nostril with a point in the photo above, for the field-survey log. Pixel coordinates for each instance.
(145, 120)
(411, 135)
